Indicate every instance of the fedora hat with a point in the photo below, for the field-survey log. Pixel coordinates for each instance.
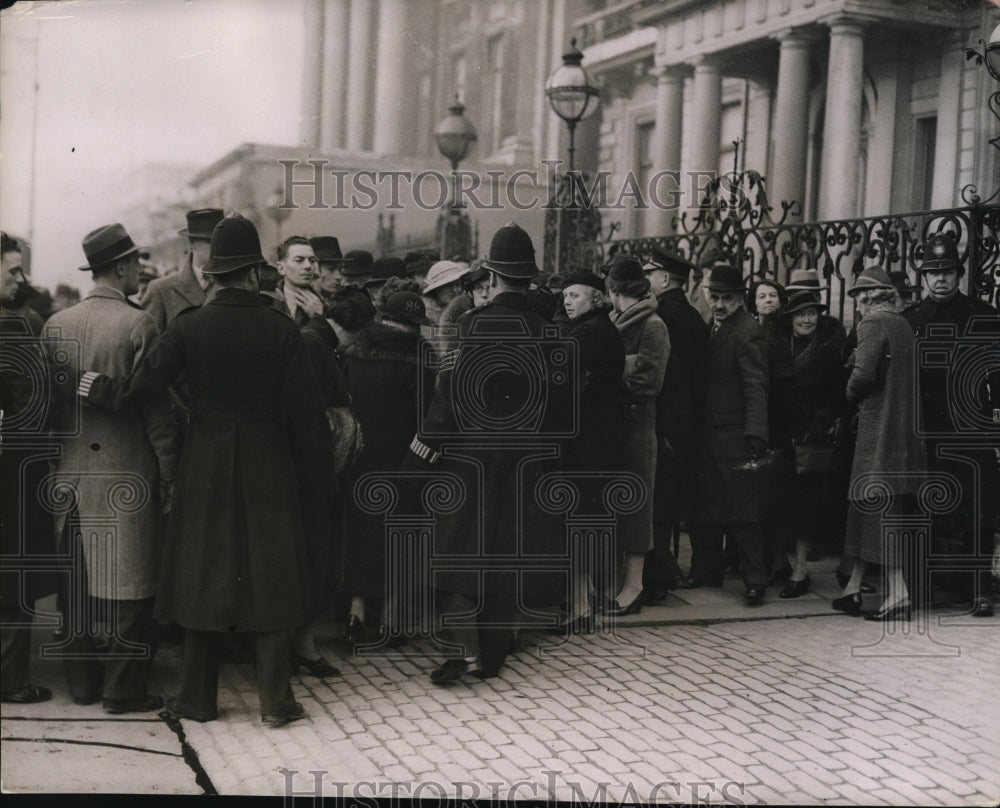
(444, 272)
(668, 262)
(805, 280)
(106, 244)
(871, 279)
(802, 300)
(941, 252)
(383, 269)
(358, 262)
(725, 278)
(406, 307)
(901, 281)
(235, 245)
(512, 255)
(327, 250)
(201, 223)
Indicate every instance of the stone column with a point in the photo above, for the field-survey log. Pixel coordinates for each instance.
(359, 72)
(335, 22)
(667, 144)
(312, 74)
(706, 119)
(390, 77)
(790, 131)
(842, 122)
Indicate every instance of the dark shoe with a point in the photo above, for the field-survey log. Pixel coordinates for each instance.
(319, 668)
(584, 624)
(86, 701)
(143, 704)
(615, 610)
(755, 595)
(355, 630)
(780, 576)
(698, 583)
(982, 607)
(795, 589)
(656, 594)
(849, 604)
(29, 694)
(452, 670)
(900, 612)
(174, 707)
(866, 588)
(275, 721)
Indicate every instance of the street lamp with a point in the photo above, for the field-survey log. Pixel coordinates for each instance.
(275, 212)
(455, 136)
(571, 93)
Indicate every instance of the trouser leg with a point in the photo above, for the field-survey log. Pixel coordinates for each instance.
(465, 635)
(496, 631)
(15, 649)
(127, 670)
(200, 675)
(274, 672)
(81, 661)
(706, 551)
(661, 568)
(750, 540)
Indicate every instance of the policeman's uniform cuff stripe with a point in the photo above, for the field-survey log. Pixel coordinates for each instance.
(423, 451)
(86, 382)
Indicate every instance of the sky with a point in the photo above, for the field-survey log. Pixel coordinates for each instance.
(122, 83)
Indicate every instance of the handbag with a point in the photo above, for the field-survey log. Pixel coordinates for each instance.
(754, 486)
(815, 457)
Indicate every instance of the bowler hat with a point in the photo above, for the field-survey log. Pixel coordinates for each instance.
(444, 272)
(870, 280)
(406, 307)
(201, 223)
(235, 245)
(668, 262)
(327, 250)
(385, 268)
(805, 280)
(419, 262)
(358, 262)
(583, 277)
(901, 281)
(801, 300)
(941, 252)
(106, 244)
(512, 255)
(725, 278)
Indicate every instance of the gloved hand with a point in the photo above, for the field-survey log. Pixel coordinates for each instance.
(756, 446)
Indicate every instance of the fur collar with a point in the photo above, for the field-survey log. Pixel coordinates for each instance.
(383, 342)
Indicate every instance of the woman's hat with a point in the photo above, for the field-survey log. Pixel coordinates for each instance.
(870, 280)
(902, 283)
(512, 255)
(201, 223)
(583, 277)
(406, 307)
(725, 278)
(106, 244)
(419, 261)
(805, 280)
(444, 272)
(235, 245)
(799, 301)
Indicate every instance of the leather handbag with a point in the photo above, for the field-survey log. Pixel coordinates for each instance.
(815, 457)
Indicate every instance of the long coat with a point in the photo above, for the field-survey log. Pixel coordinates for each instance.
(734, 408)
(647, 351)
(115, 460)
(236, 554)
(677, 405)
(382, 369)
(167, 297)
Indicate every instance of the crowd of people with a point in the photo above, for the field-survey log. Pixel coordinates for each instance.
(215, 451)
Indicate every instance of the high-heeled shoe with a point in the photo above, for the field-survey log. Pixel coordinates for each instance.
(319, 668)
(614, 609)
(849, 604)
(355, 630)
(901, 611)
(866, 588)
(795, 589)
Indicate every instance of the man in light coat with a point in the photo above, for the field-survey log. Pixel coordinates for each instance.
(114, 476)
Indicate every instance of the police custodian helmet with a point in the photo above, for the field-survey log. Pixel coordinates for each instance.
(512, 254)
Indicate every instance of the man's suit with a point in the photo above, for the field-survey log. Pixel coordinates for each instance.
(734, 408)
(112, 467)
(167, 297)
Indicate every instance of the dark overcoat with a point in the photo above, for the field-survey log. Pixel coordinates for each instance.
(167, 297)
(677, 405)
(734, 408)
(236, 554)
(647, 351)
(383, 373)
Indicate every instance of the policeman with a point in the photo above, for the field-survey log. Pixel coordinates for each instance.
(947, 315)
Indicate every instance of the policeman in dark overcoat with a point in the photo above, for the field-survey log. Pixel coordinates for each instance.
(958, 326)
(258, 450)
(676, 408)
(482, 425)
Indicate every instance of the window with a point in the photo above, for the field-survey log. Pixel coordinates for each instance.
(644, 134)
(501, 89)
(924, 143)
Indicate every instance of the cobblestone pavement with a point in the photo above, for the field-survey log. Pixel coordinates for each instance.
(823, 709)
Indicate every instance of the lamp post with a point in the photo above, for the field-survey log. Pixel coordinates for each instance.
(455, 136)
(275, 212)
(569, 228)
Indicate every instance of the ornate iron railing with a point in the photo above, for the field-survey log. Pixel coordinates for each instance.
(734, 225)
